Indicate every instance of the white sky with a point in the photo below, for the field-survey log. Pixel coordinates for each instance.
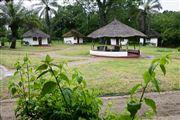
(171, 5)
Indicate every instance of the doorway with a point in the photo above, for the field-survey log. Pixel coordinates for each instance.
(40, 40)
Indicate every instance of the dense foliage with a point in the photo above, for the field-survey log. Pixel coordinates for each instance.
(168, 24)
(48, 93)
(88, 15)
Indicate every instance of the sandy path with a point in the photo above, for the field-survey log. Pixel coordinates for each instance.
(168, 105)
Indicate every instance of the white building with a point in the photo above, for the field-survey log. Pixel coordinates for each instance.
(119, 41)
(152, 38)
(73, 37)
(35, 37)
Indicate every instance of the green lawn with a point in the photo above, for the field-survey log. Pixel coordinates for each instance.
(8, 57)
(119, 75)
(109, 76)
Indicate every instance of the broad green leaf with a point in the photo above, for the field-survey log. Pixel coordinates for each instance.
(151, 104)
(163, 69)
(147, 77)
(135, 88)
(48, 59)
(13, 90)
(64, 77)
(26, 59)
(15, 73)
(133, 107)
(155, 60)
(42, 67)
(43, 73)
(68, 94)
(155, 82)
(48, 87)
(79, 79)
(152, 68)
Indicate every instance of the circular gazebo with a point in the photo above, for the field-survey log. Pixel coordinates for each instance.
(116, 34)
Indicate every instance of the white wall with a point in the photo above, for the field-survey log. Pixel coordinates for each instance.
(123, 42)
(109, 53)
(32, 42)
(153, 41)
(71, 40)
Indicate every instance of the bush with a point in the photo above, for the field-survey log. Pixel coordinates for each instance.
(47, 93)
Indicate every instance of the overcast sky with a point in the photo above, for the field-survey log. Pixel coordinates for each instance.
(172, 5)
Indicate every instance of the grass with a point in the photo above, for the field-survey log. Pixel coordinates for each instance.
(118, 76)
(109, 76)
(8, 57)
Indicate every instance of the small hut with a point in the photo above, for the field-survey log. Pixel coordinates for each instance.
(35, 37)
(73, 37)
(115, 33)
(152, 38)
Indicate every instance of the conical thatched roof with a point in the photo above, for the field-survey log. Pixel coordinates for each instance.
(73, 33)
(35, 33)
(116, 29)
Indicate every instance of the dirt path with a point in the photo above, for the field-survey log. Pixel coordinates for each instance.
(168, 105)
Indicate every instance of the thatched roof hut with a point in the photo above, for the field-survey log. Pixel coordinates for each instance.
(73, 33)
(116, 29)
(35, 33)
(152, 33)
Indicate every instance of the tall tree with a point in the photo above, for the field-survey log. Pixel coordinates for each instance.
(147, 7)
(15, 16)
(46, 8)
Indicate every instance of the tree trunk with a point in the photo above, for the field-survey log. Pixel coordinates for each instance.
(14, 29)
(13, 43)
(48, 22)
(145, 27)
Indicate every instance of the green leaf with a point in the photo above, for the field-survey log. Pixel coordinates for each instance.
(152, 68)
(42, 67)
(133, 107)
(134, 89)
(25, 59)
(163, 69)
(155, 82)
(13, 90)
(79, 79)
(151, 104)
(64, 77)
(155, 60)
(43, 73)
(147, 77)
(15, 73)
(48, 87)
(68, 94)
(48, 59)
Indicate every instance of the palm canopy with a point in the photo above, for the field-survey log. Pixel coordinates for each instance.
(15, 16)
(12, 13)
(150, 6)
(45, 6)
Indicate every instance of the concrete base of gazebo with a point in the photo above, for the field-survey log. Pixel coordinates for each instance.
(116, 54)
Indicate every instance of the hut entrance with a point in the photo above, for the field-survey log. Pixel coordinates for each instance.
(40, 40)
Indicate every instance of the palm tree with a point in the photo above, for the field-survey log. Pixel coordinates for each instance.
(46, 8)
(147, 7)
(15, 16)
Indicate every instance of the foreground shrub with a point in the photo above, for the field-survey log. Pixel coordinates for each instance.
(48, 93)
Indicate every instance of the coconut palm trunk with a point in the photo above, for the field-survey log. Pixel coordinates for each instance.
(14, 30)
